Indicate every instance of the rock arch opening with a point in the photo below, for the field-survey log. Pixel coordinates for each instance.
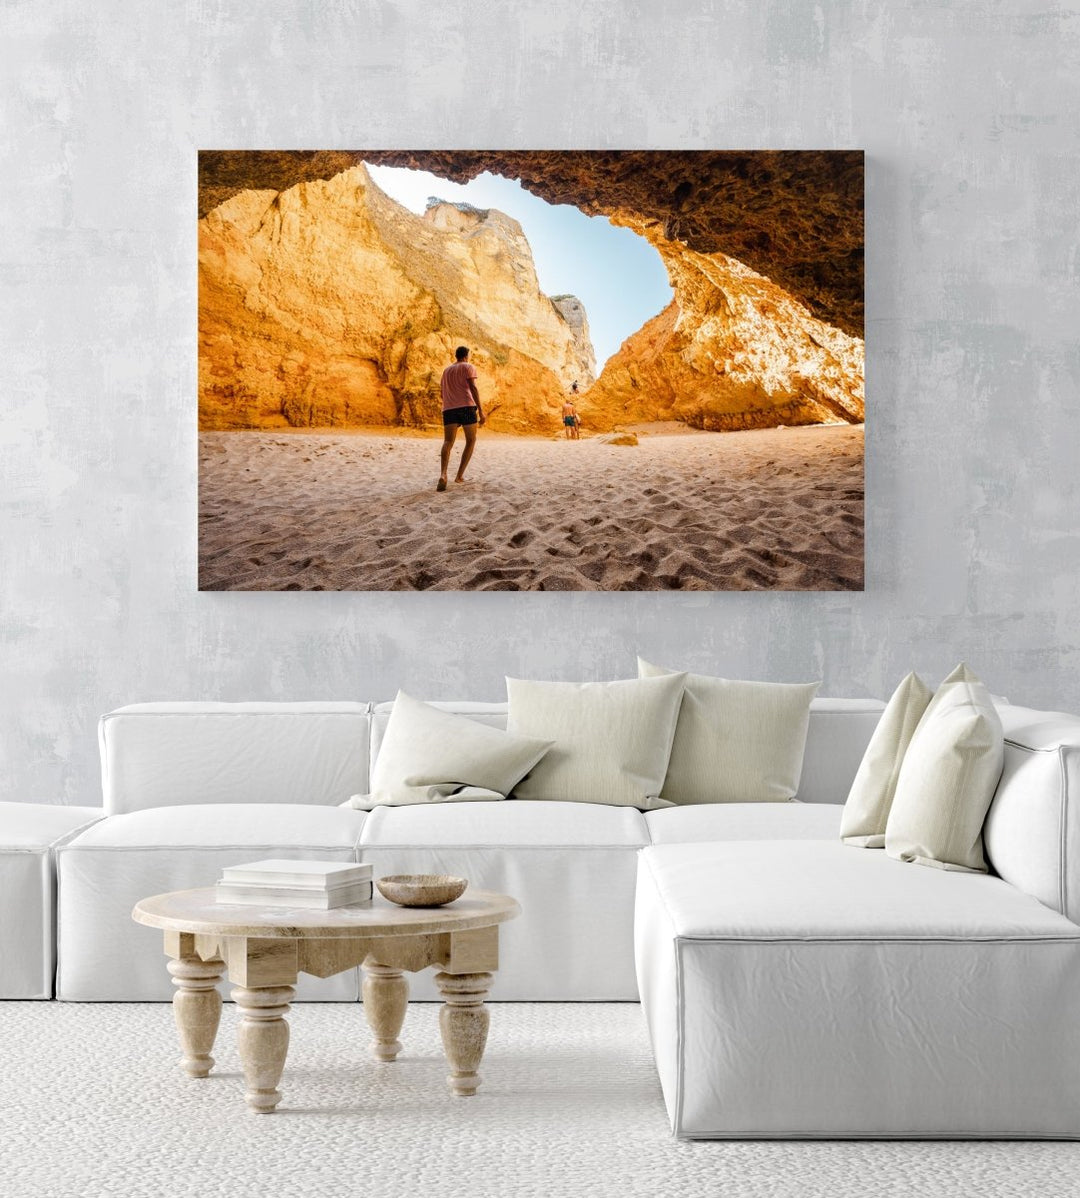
(604, 279)
(763, 250)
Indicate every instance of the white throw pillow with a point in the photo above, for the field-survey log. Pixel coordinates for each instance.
(948, 778)
(867, 808)
(432, 756)
(737, 742)
(612, 739)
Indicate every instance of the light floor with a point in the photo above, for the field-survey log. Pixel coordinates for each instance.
(92, 1103)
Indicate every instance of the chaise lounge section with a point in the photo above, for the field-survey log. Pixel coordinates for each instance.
(900, 1001)
(808, 989)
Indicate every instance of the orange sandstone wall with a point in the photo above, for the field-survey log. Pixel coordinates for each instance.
(329, 304)
(731, 351)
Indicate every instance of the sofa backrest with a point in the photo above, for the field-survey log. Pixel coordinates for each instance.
(176, 754)
(840, 730)
(1032, 830)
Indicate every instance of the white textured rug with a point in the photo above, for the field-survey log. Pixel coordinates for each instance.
(93, 1104)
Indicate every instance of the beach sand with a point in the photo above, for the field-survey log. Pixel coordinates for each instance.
(774, 509)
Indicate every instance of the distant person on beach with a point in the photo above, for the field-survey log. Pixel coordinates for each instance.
(460, 409)
(570, 420)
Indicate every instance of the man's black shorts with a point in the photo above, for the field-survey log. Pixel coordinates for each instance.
(459, 416)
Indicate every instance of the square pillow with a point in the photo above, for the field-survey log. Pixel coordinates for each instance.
(866, 811)
(432, 756)
(612, 739)
(948, 778)
(736, 742)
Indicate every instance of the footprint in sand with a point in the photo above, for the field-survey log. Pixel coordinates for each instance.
(559, 582)
(840, 541)
(422, 579)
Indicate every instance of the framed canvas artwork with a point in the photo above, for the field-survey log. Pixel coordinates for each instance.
(531, 370)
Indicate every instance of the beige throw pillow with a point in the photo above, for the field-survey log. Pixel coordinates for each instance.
(432, 756)
(612, 739)
(736, 742)
(866, 811)
(948, 778)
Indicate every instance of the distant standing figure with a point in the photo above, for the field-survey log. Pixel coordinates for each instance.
(460, 409)
(570, 420)
(573, 387)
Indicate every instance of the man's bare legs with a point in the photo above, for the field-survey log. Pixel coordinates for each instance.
(449, 436)
(470, 442)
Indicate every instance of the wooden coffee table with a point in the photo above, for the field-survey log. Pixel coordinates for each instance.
(264, 948)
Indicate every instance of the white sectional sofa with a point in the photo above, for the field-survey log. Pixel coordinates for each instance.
(189, 787)
(792, 985)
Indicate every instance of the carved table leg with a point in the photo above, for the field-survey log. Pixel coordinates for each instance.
(463, 1022)
(197, 1010)
(263, 1040)
(386, 997)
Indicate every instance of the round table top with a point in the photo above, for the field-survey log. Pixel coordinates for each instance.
(198, 911)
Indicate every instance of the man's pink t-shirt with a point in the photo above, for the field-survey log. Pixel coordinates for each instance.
(455, 386)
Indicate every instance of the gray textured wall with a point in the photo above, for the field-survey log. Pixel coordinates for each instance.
(968, 113)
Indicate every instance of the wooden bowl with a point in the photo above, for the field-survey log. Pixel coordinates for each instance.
(421, 890)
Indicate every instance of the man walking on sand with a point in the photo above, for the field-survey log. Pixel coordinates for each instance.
(570, 419)
(460, 409)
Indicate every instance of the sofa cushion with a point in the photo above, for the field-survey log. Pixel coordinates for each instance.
(493, 715)
(226, 825)
(807, 889)
(29, 827)
(173, 754)
(612, 739)
(838, 733)
(736, 742)
(866, 811)
(29, 835)
(535, 823)
(703, 822)
(947, 778)
(802, 989)
(102, 874)
(571, 866)
(432, 756)
(1032, 830)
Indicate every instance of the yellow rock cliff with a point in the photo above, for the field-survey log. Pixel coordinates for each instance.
(731, 351)
(329, 304)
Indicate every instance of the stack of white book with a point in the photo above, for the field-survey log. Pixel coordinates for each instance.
(319, 885)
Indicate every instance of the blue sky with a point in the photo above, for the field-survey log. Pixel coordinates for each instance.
(617, 275)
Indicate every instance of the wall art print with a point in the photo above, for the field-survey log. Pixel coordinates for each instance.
(531, 370)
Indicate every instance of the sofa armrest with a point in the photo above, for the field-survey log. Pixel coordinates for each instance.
(1032, 830)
